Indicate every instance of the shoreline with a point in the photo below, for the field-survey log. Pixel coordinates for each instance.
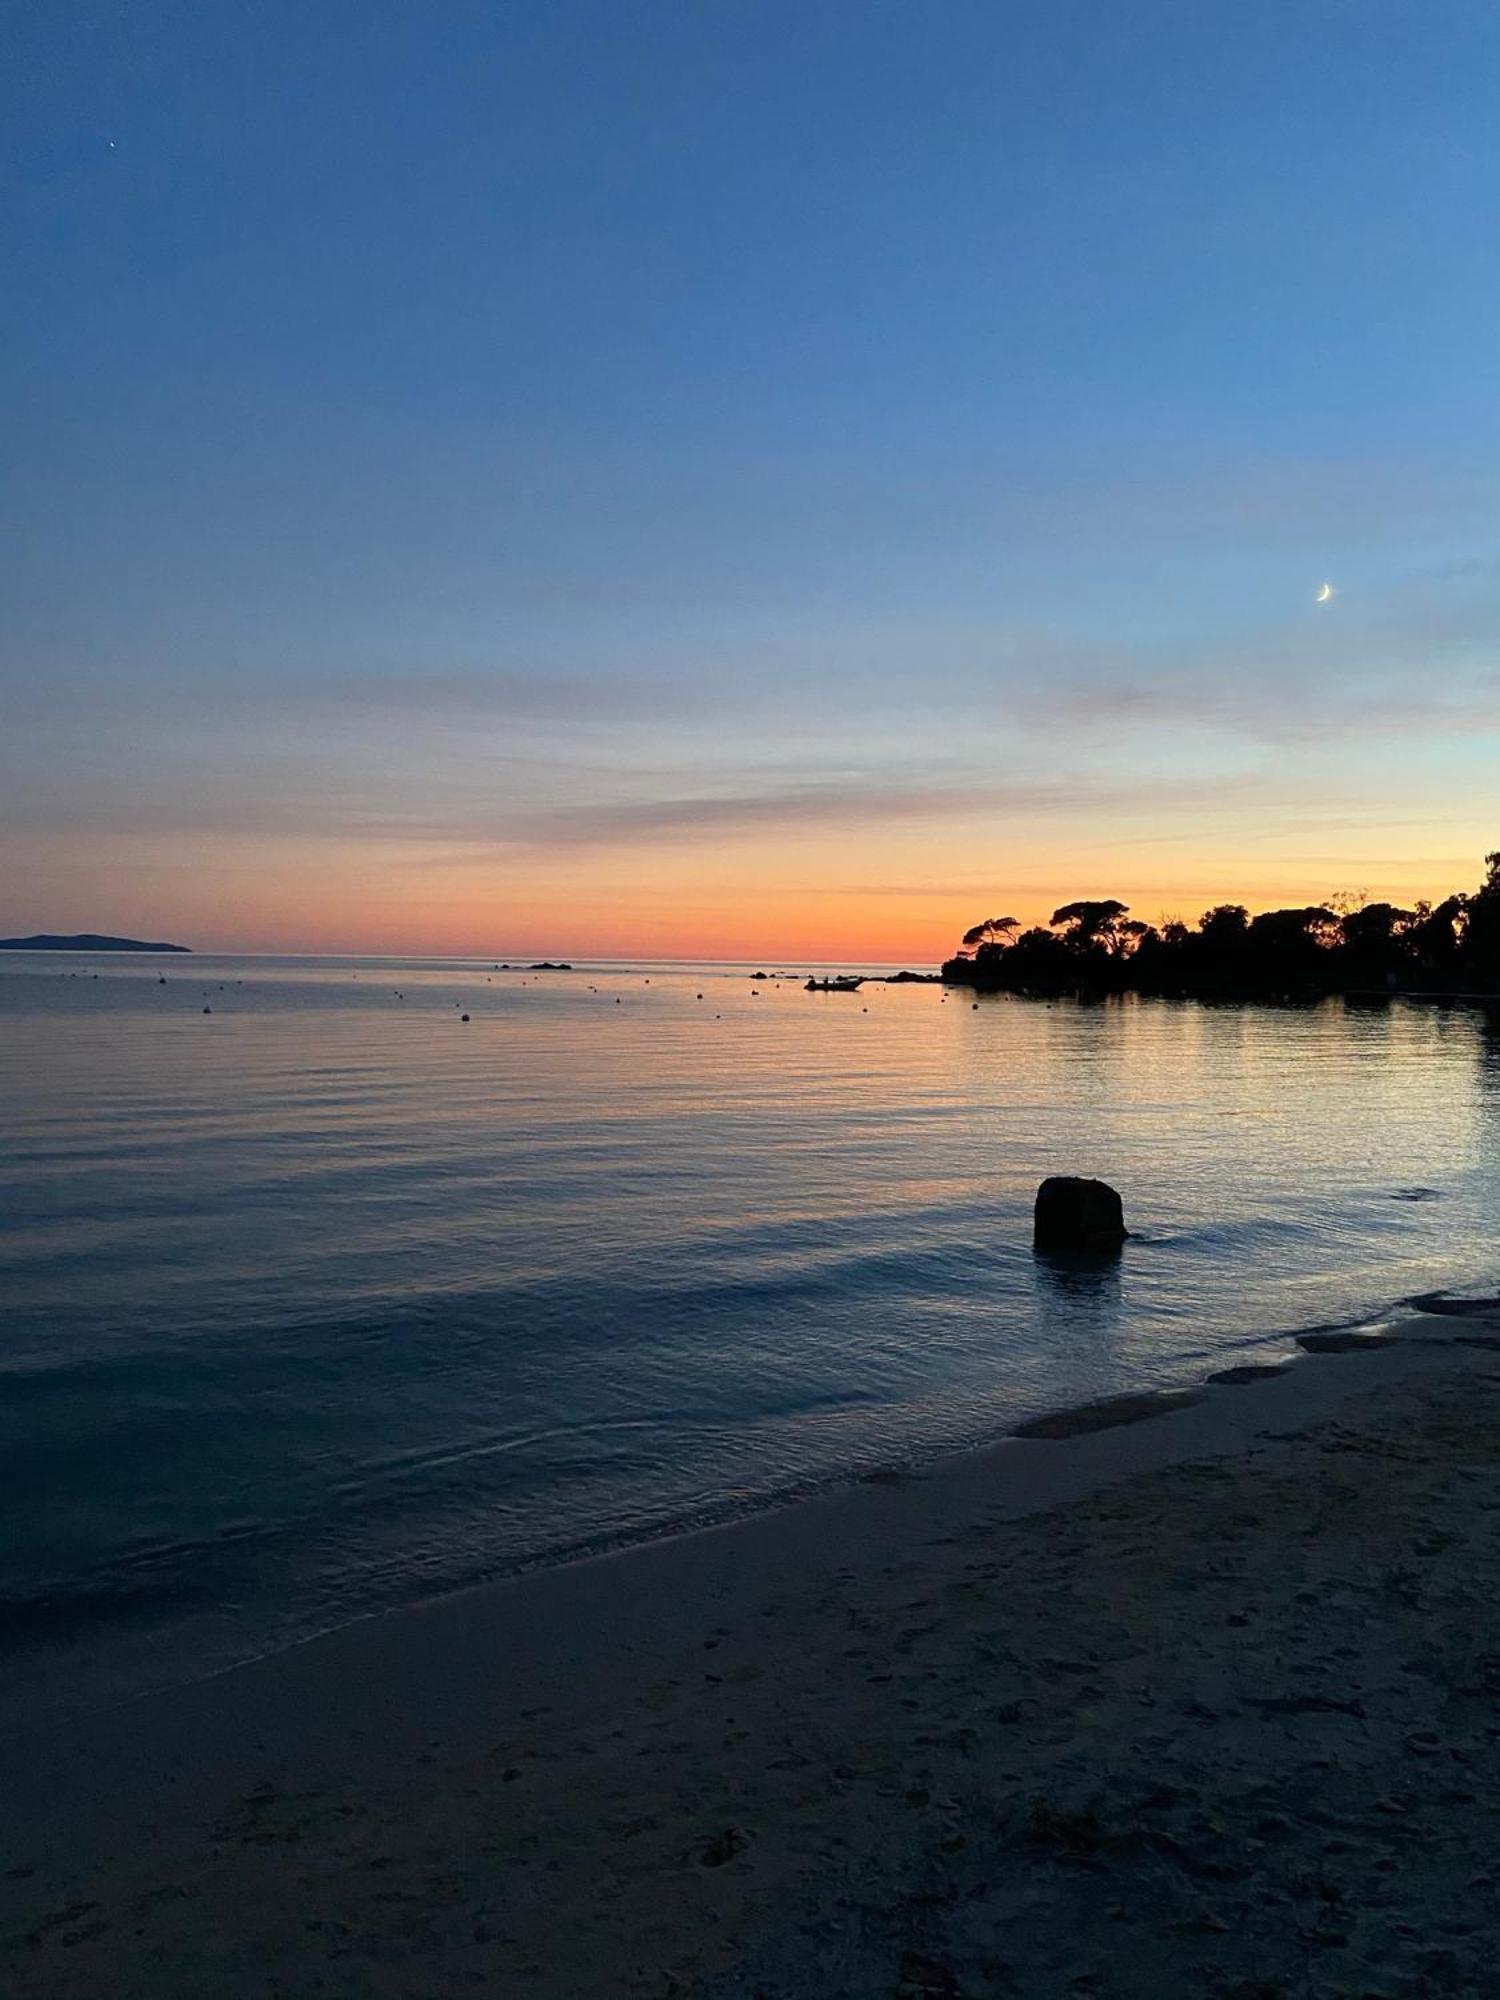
(1375, 1328)
(1123, 1407)
(322, 1764)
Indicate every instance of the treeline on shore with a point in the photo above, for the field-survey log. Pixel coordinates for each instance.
(1358, 946)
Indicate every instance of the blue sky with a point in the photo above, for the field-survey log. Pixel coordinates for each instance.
(841, 457)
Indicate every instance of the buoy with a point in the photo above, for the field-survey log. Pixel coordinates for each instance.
(463, 1017)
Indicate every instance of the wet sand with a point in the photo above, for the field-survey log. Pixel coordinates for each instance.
(1198, 1696)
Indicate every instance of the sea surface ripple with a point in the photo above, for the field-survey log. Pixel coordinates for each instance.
(316, 1299)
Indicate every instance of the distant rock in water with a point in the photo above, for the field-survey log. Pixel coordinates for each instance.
(84, 941)
(914, 979)
(1074, 1214)
(547, 965)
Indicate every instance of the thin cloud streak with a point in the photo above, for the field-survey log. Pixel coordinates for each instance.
(504, 696)
(1267, 715)
(977, 797)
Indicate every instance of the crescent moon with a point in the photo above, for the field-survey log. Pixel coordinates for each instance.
(1325, 594)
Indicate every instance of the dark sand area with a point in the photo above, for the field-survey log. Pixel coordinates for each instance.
(1207, 1702)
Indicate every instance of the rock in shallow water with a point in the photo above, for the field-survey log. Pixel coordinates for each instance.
(1075, 1214)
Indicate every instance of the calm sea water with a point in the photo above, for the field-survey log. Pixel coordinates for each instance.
(327, 1300)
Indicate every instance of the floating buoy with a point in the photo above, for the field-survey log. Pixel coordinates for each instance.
(463, 1017)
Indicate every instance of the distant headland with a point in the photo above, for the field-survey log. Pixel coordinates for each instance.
(84, 941)
(1451, 948)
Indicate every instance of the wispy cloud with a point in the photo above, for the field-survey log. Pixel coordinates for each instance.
(970, 798)
(1275, 715)
(501, 695)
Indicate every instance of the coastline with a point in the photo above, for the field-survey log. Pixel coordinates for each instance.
(1054, 1421)
(626, 1773)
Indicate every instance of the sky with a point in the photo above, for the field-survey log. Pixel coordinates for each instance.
(786, 479)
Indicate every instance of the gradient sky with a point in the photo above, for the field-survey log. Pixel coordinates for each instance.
(777, 478)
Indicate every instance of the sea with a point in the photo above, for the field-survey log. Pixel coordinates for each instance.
(331, 1285)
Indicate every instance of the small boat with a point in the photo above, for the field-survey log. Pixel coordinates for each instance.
(845, 983)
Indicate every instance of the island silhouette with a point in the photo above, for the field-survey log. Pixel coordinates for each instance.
(84, 941)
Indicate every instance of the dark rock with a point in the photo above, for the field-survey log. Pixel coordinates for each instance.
(1074, 1214)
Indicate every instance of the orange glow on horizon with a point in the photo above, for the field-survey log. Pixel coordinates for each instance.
(893, 899)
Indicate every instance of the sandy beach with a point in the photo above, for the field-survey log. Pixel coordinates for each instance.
(1199, 1696)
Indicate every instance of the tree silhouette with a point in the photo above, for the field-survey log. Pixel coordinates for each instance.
(1482, 924)
(1225, 925)
(1375, 937)
(1084, 925)
(1346, 945)
(994, 930)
